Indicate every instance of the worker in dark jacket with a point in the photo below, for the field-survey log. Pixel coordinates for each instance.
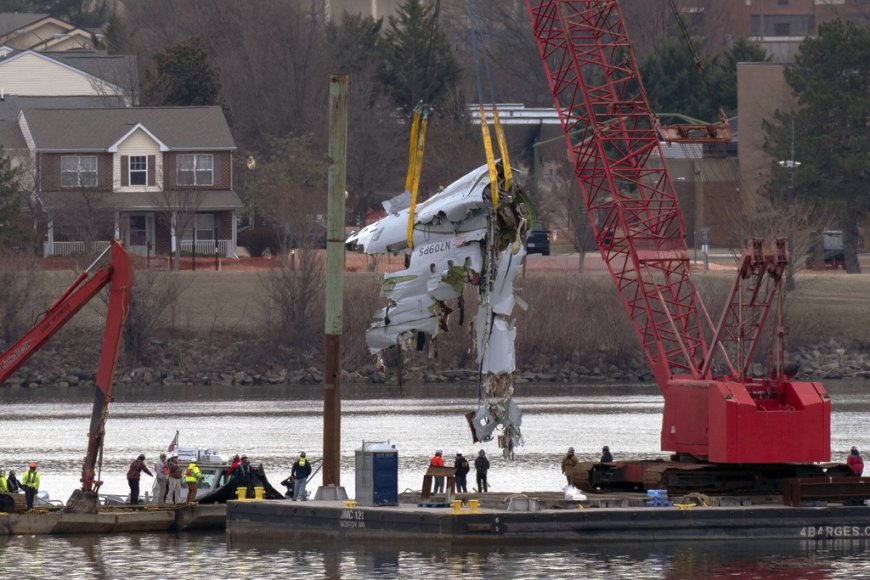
(244, 475)
(134, 474)
(300, 472)
(855, 461)
(12, 483)
(462, 469)
(481, 467)
(606, 457)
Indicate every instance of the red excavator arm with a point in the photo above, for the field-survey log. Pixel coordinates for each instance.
(613, 140)
(118, 275)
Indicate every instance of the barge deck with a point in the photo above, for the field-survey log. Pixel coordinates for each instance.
(551, 523)
(114, 520)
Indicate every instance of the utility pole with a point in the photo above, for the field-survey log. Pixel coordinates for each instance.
(337, 181)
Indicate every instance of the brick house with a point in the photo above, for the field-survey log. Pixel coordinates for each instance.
(157, 178)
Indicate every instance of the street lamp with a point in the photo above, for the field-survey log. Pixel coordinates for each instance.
(790, 164)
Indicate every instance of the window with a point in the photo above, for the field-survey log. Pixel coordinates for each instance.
(196, 169)
(204, 223)
(782, 29)
(78, 171)
(782, 2)
(138, 170)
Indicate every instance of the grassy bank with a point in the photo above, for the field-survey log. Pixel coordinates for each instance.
(227, 321)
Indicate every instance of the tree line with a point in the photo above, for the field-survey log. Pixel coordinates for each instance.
(267, 64)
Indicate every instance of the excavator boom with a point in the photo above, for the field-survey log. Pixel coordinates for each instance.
(118, 276)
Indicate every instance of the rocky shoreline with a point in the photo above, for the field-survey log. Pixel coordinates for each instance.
(65, 367)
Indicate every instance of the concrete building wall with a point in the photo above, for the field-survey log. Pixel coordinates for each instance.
(761, 91)
(374, 8)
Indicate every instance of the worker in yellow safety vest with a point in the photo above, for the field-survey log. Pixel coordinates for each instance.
(192, 476)
(3, 487)
(30, 483)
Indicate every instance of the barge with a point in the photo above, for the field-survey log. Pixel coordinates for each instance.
(115, 520)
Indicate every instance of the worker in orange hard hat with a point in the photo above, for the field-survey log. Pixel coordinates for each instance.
(30, 483)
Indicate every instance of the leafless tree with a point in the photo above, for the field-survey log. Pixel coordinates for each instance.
(294, 297)
(758, 216)
(23, 296)
(270, 54)
(177, 209)
(155, 295)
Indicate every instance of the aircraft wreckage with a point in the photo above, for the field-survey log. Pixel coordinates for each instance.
(459, 237)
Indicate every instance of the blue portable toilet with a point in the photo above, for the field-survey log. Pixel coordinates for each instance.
(377, 474)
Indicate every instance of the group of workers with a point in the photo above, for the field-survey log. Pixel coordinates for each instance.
(569, 462)
(29, 483)
(169, 478)
(461, 468)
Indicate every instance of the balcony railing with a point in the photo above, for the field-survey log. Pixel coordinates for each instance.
(207, 248)
(75, 248)
(225, 248)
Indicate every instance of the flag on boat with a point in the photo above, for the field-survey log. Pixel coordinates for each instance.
(174, 443)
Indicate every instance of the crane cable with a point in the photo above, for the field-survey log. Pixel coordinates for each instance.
(696, 58)
(418, 138)
(476, 34)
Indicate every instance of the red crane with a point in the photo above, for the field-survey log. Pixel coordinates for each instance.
(118, 275)
(721, 416)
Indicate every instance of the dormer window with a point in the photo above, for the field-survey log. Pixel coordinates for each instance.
(196, 169)
(78, 170)
(138, 170)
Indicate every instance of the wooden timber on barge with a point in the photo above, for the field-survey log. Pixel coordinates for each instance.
(736, 518)
(115, 520)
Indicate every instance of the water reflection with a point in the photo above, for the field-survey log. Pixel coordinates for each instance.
(273, 424)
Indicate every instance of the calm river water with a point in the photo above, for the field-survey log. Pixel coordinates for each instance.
(272, 424)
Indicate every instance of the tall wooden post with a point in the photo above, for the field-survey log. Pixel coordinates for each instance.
(334, 279)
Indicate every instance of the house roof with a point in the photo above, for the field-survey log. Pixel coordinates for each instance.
(118, 69)
(208, 200)
(10, 136)
(12, 21)
(179, 128)
(11, 105)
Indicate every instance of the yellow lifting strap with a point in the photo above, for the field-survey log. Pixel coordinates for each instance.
(503, 149)
(490, 160)
(412, 148)
(419, 142)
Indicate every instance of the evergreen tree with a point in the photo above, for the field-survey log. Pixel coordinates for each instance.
(724, 74)
(10, 200)
(827, 133)
(419, 64)
(674, 84)
(184, 77)
(353, 43)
